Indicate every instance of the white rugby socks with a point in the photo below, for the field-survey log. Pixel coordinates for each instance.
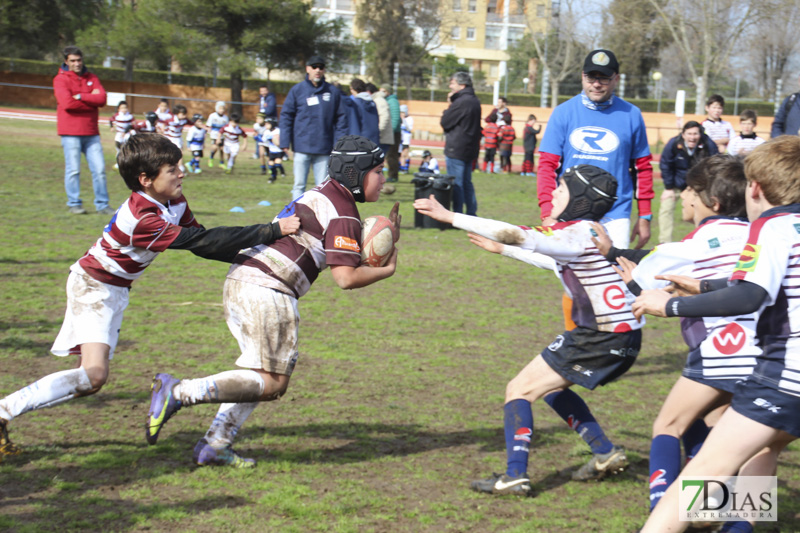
(47, 392)
(226, 424)
(230, 386)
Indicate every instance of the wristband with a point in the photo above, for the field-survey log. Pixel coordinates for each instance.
(646, 217)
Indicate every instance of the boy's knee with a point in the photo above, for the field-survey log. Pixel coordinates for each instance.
(97, 377)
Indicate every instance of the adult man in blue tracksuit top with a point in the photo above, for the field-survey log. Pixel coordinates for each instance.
(313, 117)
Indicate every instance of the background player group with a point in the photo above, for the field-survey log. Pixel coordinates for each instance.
(225, 134)
(600, 349)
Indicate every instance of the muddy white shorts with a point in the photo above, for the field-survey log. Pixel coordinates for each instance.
(177, 141)
(231, 149)
(265, 323)
(94, 314)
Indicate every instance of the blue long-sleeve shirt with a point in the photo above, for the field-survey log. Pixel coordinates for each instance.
(312, 118)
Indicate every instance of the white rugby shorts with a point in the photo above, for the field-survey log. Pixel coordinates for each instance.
(94, 314)
(231, 149)
(265, 323)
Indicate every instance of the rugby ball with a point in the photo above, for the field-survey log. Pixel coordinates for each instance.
(377, 241)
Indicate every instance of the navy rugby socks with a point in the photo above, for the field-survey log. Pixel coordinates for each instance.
(576, 414)
(518, 424)
(665, 465)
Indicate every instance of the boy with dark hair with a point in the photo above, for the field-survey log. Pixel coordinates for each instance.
(720, 131)
(154, 218)
(763, 417)
(490, 134)
(747, 140)
(119, 122)
(599, 350)
(507, 136)
(196, 138)
(260, 298)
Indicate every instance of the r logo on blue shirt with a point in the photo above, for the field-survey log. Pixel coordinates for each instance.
(594, 140)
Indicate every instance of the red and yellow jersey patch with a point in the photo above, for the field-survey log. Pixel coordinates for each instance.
(748, 258)
(346, 243)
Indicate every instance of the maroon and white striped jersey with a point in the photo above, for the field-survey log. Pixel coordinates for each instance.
(727, 344)
(231, 133)
(601, 300)
(330, 234)
(175, 126)
(140, 229)
(163, 116)
(121, 121)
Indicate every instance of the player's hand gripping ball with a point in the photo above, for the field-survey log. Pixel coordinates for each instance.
(377, 241)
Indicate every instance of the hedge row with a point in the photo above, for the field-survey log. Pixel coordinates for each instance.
(282, 87)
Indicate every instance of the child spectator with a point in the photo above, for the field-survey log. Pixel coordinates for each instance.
(507, 136)
(260, 298)
(747, 140)
(764, 410)
(490, 134)
(429, 163)
(406, 129)
(599, 350)
(529, 143)
(231, 134)
(720, 131)
(270, 141)
(156, 217)
(119, 123)
(216, 121)
(196, 137)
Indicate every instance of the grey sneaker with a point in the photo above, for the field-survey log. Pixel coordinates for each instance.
(107, 210)
(601, 465)
(503, 484)
(77, 210)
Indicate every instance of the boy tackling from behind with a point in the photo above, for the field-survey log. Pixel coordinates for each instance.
(154, 218)
(260, 298)
(599, 350)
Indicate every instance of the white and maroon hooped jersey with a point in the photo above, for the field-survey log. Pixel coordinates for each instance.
(163, 116)
(330, 235)
(719, 129)
(175, 126)
(601, 300)
(121, 121)
(727, 344)
(231, 132)
(139, 230)
(144, 126)
(771, 260)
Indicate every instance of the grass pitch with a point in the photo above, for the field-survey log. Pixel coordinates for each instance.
(395, 405)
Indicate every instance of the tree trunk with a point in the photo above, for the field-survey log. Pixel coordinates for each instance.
(129, 67)
(236, 93)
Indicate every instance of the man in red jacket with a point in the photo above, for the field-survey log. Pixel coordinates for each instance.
(80, 95)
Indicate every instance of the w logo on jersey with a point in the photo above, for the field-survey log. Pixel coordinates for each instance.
(593, 140)
(657, 478)
(730, 339)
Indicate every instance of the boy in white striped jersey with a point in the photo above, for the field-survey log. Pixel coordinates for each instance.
(723, 350)
(599, 350)
(747, 140)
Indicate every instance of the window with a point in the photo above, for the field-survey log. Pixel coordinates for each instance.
(492, 40)
(345, 5)
(470, 34)
(540, 11)
(494, 70)
(472, 6)
(455, 33)
(514, 36)
(322, 3)
(456, 5)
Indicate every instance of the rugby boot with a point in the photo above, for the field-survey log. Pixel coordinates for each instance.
(206, 455)
(6, 446)
(601, 465)
(163, 405)
(502, 484)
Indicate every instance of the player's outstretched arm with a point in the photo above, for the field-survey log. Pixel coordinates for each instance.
(601, 239)
(432, 208)
(625, 269)
(652, 302)
(347, 277)
(487, 244)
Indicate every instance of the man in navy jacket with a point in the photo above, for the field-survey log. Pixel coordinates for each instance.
(313, 117)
